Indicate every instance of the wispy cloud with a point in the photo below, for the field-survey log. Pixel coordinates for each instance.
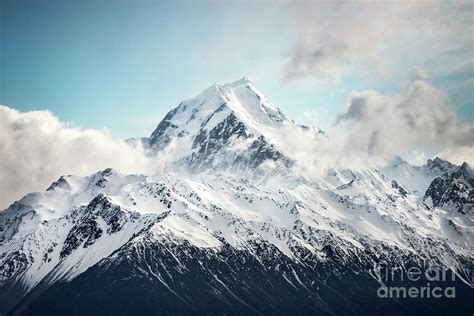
(333, 37)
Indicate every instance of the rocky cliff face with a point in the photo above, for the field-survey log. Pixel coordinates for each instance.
(453, 190)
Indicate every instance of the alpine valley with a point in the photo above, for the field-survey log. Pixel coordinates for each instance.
(234, 225)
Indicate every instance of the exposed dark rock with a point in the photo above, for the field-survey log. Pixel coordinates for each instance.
(450, 192)
(150, 277)
(403, 192)
(60, 183)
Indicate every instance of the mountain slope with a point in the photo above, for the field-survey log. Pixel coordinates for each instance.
(300, 222)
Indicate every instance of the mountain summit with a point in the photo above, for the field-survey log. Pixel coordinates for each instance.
(229, 125)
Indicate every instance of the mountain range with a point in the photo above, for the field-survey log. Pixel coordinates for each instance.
(234, 226)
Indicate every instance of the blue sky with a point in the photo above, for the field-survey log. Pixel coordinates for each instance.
(122, 65)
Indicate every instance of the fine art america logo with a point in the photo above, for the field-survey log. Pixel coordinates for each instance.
(418, 282)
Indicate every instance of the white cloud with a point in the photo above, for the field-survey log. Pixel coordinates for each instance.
(315, 153)
(36, 148)
(458, 155)
(414, 123)
(416, 118)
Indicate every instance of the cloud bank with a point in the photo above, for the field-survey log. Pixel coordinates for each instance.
(36, 148)
(416, 123)
(415, 118)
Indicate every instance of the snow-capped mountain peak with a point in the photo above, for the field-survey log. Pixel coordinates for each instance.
(439, 165)
(247, 100)
(226, 125)
(211, 106)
